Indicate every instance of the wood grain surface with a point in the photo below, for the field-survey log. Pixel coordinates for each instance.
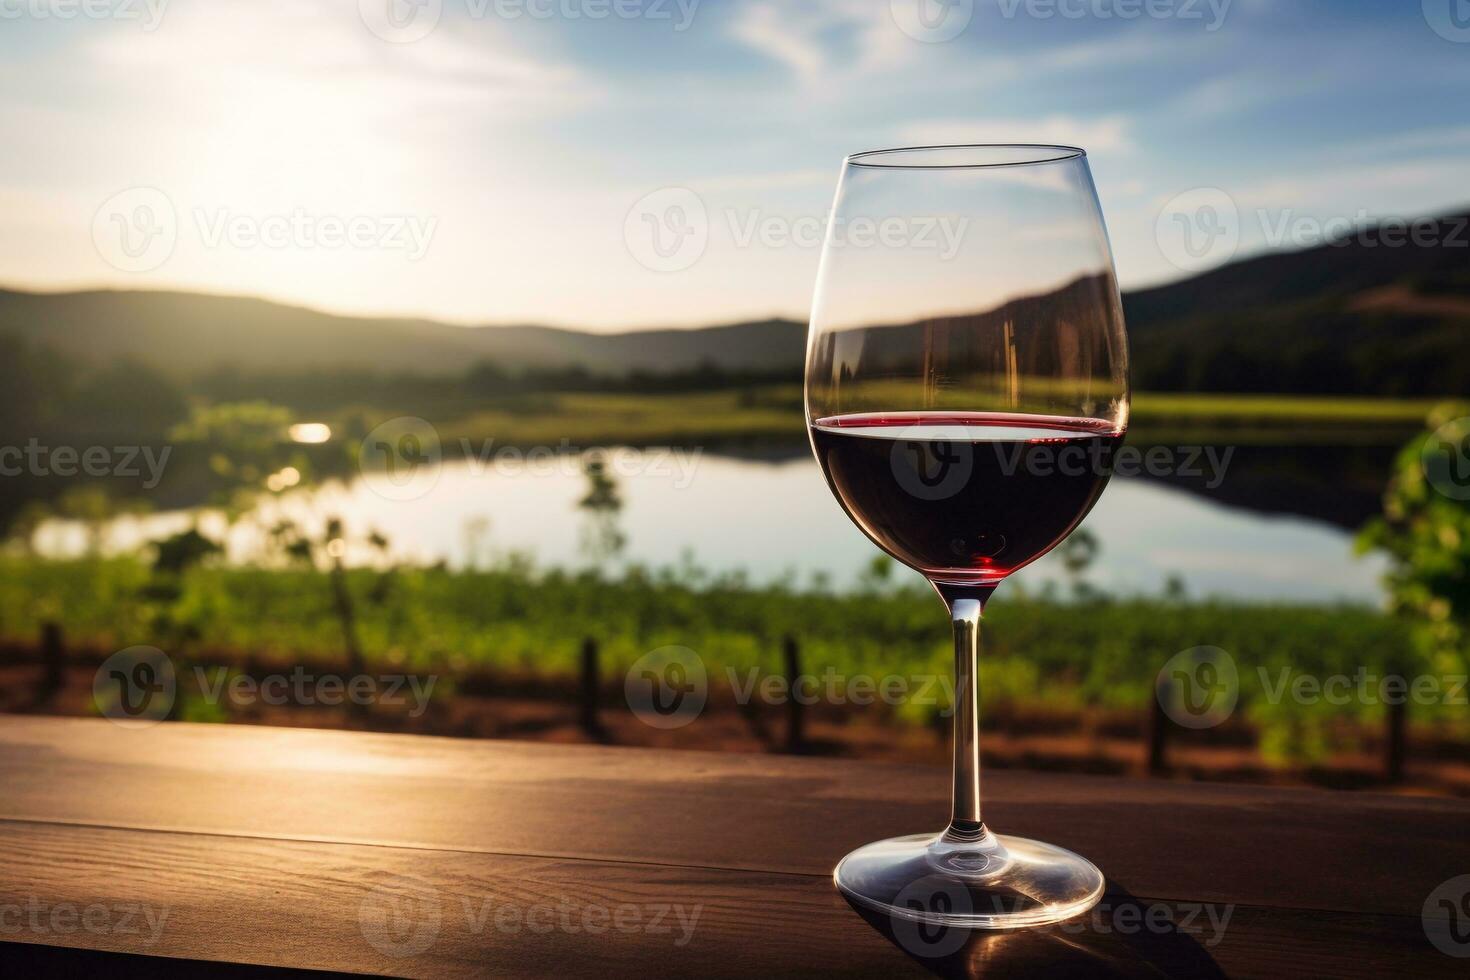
(416, 856)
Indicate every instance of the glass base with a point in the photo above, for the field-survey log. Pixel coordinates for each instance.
(985, 882)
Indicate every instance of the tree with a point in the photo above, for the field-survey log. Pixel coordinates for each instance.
(1425, 530)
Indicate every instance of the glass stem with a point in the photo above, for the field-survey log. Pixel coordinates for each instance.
(965, 608)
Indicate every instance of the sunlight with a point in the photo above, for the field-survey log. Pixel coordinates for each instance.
(310, 432)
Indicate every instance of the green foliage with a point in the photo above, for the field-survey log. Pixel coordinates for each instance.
(183, 550)
(1425, 530)
(1066, 655)
(602, 538)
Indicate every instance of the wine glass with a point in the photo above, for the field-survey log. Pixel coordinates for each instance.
(966, 390)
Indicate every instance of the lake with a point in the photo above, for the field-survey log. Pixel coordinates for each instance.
(774, 518)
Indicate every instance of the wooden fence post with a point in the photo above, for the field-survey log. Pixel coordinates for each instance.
(53, 653)
(791, 653)
(1397, 741)
(591, 688)
(1158, 734)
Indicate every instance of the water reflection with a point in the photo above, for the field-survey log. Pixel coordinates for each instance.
(1113, 940)
(774, 518)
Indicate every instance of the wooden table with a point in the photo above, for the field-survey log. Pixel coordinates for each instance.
(437, 857)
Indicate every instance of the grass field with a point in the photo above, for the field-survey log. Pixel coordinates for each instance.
(1063, 656)
(774, 414)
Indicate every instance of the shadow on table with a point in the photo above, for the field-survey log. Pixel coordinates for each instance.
(1110, 941)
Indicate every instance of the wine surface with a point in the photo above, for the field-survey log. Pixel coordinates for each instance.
(965, 497)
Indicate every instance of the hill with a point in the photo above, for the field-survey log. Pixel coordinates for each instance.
(183, 333)
(1353, 317)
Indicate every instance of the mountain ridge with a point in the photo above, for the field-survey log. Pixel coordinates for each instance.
(1338, 318)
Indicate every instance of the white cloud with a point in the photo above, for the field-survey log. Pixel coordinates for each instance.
(1130, 49)
(1233, 93)
(836, 39)
(782, 34)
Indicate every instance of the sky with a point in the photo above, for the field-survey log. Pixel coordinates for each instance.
(511, 161)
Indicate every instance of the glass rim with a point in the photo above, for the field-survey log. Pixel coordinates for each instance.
(1003, 155)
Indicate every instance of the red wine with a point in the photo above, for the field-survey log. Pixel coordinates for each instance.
(966, 497)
